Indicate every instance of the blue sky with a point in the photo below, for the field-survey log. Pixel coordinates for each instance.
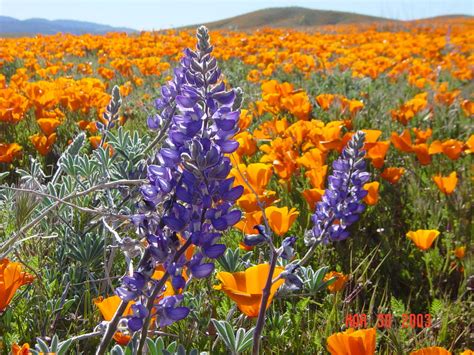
(158, 14)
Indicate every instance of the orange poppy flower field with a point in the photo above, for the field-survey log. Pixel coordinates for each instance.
(272, 191)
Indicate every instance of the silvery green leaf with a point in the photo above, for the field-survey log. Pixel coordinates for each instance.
(4, 175)
(160, 344)
(172, 347)
(246, 341)
(117, 350)
(64, 347)
(152, 348)
(54, 344)
(41, 345)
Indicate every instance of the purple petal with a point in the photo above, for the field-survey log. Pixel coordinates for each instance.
(203, 270)
(177, 313)
(186, 101)
(233, 217)
(227, 146)
(135, 323)
(214, 251)
(174, 223)
(233, 194)
(220, 223)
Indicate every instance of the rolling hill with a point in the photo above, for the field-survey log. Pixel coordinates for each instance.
(289, 17)
(12, 26)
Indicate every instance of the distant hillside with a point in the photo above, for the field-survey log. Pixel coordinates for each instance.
(444, 17)
(289, 17)
(12, 26)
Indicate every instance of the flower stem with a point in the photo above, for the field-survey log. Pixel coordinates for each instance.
(263, 305)
(151, 300)
(111, 327)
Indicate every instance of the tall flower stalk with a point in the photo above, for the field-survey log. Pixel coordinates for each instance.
(340, 207)
(342, 202)
(188, 200)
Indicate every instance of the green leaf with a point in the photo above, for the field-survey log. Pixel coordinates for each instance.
(247, 341)
(54, 343)
(172, 347)
(159, 344)
(436, 307)
(117, 350)
(64, 347)
(398, 308)
(222, 332)
(4, 175)
(151, 346)
(230, 335)
(42, 346)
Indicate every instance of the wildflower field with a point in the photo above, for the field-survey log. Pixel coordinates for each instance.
(272, 192)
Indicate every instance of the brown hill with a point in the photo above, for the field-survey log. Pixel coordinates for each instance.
(289, 17)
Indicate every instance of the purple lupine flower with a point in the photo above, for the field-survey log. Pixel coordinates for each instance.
(188, 194)
(168, 313)
(341, 204)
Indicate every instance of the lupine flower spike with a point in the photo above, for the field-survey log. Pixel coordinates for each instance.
(189, 196)
(342, 203)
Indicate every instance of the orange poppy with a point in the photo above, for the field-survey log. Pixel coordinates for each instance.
(246, 287)
(452, 148)
(423, 238)
(169, 290)
(8, 152)
(446, 184)
(433, 350)
(48, 125)
(247, 144)
(43, 144)
(23, 350)
(91, 127)
(95, 141)
(355, 106)
(312, 159)
(469, 145)
(11, 278)
(258, 176)
(373, 193)
(468, 107)
(340, 282)
(317, 177)
(371, 135)
(325, 100)
(467, 352)
(280, 218)
(376, 152)
(249, 221)
(248, 202)
(107, 307)
(422, 153)
(392, 175)
(460, 252)
(313, 196)
(403, 141)
(422, 136)
(353, 342)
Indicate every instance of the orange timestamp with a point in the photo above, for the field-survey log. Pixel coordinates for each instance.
(386, 320)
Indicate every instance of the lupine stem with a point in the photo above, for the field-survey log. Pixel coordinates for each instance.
(263, 305)
(156, 291)
(112, 325)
